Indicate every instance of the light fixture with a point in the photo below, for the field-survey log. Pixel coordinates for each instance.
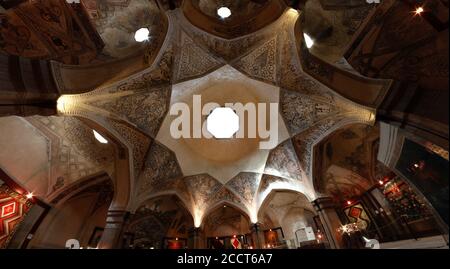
(224, 12)
(308, 41)
(381, 182)
(222, 123)
(29, 195)
(60, 104)
(100, 138)
(349, 202)
(419, 11)
(142, 35)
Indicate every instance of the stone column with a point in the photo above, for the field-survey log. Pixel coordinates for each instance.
(112, 235)
(257, 236)
(195, 235)
(326, 210)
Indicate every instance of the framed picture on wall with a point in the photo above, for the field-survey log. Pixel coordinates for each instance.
(273, 237)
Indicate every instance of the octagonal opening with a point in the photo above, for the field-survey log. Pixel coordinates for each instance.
(222, 123)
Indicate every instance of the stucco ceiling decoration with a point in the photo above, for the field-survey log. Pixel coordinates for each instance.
(193, 61)
(223, 159)
(261, 67)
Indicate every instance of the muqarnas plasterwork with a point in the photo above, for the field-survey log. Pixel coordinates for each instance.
(245, 184)
(282, 162)
(160, 168)
(261, 63)
(300, 111)
(193, 61)
(145, 109)
(224, 195)
(202, 187)
(138, 141)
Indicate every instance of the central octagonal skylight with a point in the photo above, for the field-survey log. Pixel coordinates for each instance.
(222, 123)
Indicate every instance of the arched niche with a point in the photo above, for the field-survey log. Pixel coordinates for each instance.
(345, 162)
(80, 214)
(161, 222)
(225, 219)
(282, 214)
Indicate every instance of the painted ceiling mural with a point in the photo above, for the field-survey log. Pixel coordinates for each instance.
(116, 22)
(267, 65)
(346, 163)
(332, 24)
(50, 29)
(309, 111)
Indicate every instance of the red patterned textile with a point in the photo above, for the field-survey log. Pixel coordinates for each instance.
(13, 208)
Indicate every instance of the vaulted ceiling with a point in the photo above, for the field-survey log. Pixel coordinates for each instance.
(192, 60)
(125, 89)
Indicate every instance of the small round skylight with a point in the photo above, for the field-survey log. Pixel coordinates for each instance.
(142, 35)
(224, 12)
(222, 123)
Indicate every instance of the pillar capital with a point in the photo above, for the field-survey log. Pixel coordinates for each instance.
(255, 227)
(115, 223)
(323, 203)
(195, 231)
(195, 234)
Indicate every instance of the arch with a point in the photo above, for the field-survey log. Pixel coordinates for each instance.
(159, 222)
(314, 156)
(241, 209)
(288, 211)
(135, 206)
(123, 172)
(268, 198)
(71, 190)
(225, 220)
(317, 149)
(263, 197)
(80, 211)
